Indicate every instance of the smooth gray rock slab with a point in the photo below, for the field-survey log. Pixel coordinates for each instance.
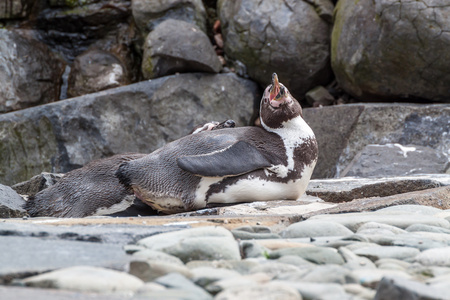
(11, 203)
(178, 46)
(350, 188)
(426, 228)
(103, 233)
(329, 274)
(349, 128)
(152, 255)
(354, 221)
(203, 243)
(401, 288)
(86, 279)
(318, 255)
(24, 256)
(396, 160)
(434, 257)
(325, 291)
(314, 228)
(140, 117)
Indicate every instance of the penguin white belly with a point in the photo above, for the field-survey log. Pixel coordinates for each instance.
(253, 188)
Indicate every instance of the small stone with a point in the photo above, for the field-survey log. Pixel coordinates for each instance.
(37, 183)
(318, 255)
(427, 228)
(253, 232)
(315, 228)
(434, 257)
(245, 281)
(329, 274)
(153, 255)
(319, 96)
(398, 219)
(179, 282)
(150, 270)
(203, 276)
(203, 243)
(359, 291)
(86, 279)
(378, 252)
(378, 228)
(392, 264)
(354, 262)
(252, 249)
(271, 290)
(401, 288)
(370, 278)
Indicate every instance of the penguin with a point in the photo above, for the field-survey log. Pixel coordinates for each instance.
(94, 190)
(273, 161)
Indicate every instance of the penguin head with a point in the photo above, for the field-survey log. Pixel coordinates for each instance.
(278, 105)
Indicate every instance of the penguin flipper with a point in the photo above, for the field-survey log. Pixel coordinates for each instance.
(239, 158)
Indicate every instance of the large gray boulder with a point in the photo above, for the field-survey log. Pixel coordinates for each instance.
(178, 46)
(96, 70)
(29, 73)
(286, 37)
(343, 131)
(148, 14)
(139, 117)
(390, 49)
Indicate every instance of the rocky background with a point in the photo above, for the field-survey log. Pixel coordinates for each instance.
(86, 79)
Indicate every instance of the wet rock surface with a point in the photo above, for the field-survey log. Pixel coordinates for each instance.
(368, 255)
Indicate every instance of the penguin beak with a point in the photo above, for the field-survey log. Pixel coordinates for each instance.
(275, 89)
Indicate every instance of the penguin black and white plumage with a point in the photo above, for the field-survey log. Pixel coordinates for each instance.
(245, 164)
(95, 190)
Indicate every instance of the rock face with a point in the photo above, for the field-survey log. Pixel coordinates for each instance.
(369, 42)
(15, 9)
(71, 27)
(397, 160)
(286, 37)
(136, 118)
(148, 14)
(30, 73)
(10, 203)
(349, 129)
(96, 70)
(178, 46)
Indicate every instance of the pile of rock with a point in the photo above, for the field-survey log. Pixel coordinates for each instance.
(400, 251)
